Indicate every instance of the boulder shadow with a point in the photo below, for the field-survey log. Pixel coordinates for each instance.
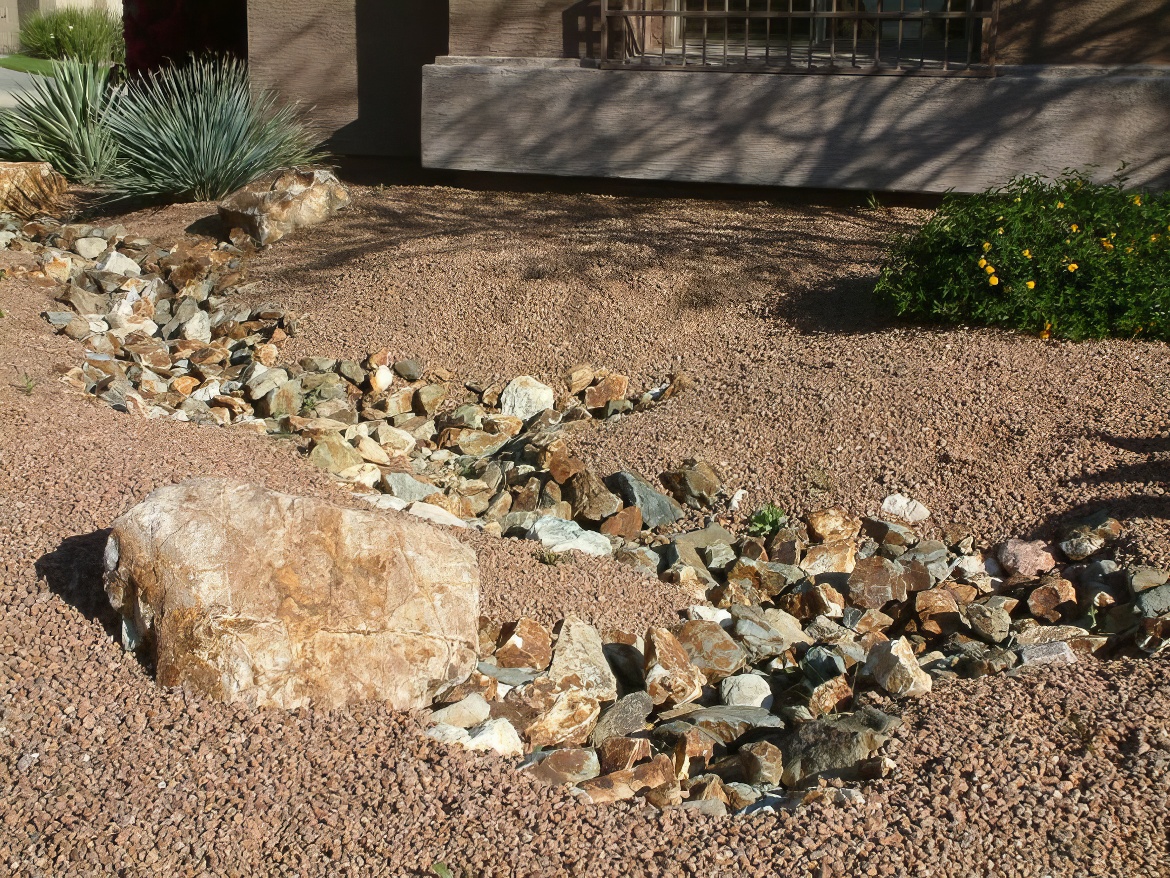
(74, 572)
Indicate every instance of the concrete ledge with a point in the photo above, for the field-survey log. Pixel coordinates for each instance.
(892, 133)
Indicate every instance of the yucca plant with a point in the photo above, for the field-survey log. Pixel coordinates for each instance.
(60, 120)
(79, 34)
(198, 132)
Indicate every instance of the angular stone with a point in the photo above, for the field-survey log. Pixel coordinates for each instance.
(902, 507)
(250, 595)
(1153, 602)
(406, 487)
(834, 556)
(710, 649)
(569, 719)
(991, 623)
(579, 660)
(568, 766)
(657, 509)
(528, 645)
(579, 377)
(833, 523)
(559, 535)
(590, 499)
(1055, 653)
(465, 713)
(620, 785)
(727, 724)
(694, 484)
(895, 668)
(277, 205)
(831, 696)
(1023, 558)
(497, 735)
(627, 716)
(693, 751)
(626, 524)
(833, 747)
(806, 603)
(671, 679)
(428, 398)
(1054, 599)
(28, 189)
(612, 387)
(525, 398)
(746, 690)
(333, 454)
(875, 582)
(937, 610)
(763, 763)
(621, 754)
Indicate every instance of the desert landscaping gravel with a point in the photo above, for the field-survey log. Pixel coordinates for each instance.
(802, 393)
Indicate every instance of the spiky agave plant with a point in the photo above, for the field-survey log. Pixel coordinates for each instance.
(60, 120)
(198, 132)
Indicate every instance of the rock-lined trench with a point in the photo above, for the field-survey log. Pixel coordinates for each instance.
(815, 612)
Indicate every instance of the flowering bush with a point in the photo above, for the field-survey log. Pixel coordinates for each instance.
(1061, 258)
(92, 36)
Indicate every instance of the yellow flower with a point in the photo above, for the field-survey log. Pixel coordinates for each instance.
(1155, 237)
(1017, 201)
(1031, 284)
(993, 280)
(1129, 249)
(1137, 199)
(990, 269)
(1047, 331)
(1075, 227)
(986, 246)
(1028, 254)
(982, 263)
(1059, 205)
(999, 231)
(1072, 266)
(1106, 243)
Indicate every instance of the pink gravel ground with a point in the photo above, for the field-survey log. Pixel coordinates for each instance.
(1057, 772)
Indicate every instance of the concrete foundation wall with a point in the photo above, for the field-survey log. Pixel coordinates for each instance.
(924, 134)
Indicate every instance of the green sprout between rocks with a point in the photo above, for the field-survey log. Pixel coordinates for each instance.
(549, 558)
(27, 384)
(766, 520)
(442, 870)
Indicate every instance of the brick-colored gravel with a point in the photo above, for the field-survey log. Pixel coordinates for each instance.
(1060, 772)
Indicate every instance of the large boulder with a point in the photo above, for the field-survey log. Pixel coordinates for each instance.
(256, 596)
(271, 208)
(30, 188)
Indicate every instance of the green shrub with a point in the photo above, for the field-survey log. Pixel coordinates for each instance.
(766, 520)
(79, 34)
(60, 120)
(1061, 257)
(198, 132)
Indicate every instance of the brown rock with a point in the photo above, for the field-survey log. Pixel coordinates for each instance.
(579, 660)
(832, 696)
(693, 752)
(668, 795)
(626, 784)
(833, 523)
(694, 484)
(626, 524)
(568, 720)
(579, 377)
(763, 763)
(185, 384)
(274, 207)
(590, 499)
(709, 787)
(875, 582)
(528, 645)
(1054, 599)
(610, 388)
(619, 754)
(30, 188)
(896, 670)
(1023, 558)
(561, 465)
(250, 595)
(568, 766)
(818, 600)
(671, 679)
(710, 649)
(835, 556)
(938, 610)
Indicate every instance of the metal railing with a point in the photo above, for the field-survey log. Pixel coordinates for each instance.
(939, 37)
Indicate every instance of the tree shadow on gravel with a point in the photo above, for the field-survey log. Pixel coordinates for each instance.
(838, 306)
(74, 571)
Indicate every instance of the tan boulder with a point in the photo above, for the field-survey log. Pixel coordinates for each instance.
(894, 667)
(251, 595)
(273, 207)
(671, 679)
(30, 188)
